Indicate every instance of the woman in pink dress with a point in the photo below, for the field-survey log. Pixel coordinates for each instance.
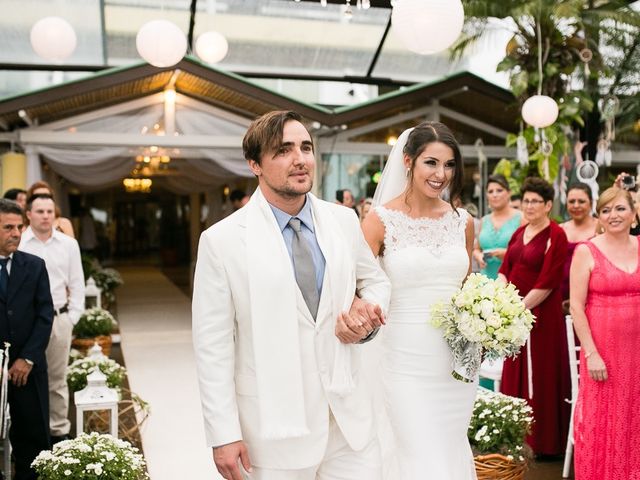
(605, 306)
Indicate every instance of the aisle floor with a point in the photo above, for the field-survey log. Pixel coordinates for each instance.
(155, 326)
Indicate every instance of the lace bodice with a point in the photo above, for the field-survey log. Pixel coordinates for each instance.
(426, 259)
(402, 231)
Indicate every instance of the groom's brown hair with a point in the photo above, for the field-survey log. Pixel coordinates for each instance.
(265, 133)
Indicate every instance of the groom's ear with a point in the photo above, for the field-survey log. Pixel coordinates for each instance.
(255, 167)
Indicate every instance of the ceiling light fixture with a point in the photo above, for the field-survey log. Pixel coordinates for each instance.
(427, 26)
(53, 38)
(161, 43)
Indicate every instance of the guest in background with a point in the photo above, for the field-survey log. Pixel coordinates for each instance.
(60, 223)
(346, 198)
(605, 306)
(496, 228)
(516, 201)
(61, 254)
(628, 182)
(365, 207)
(534, 263)
(239, 199)
(26, 315)
(18, 195)
(580, 228)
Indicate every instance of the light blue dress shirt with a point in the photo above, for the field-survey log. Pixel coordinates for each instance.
(308, 232)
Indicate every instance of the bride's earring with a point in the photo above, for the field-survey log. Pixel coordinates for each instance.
(407, 172)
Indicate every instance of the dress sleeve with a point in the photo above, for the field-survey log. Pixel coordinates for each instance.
(552, 271)
(507, 262)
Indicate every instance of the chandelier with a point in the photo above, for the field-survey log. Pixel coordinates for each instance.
(137, 185)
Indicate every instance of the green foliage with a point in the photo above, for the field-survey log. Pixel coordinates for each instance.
(91, 457)
(94, 322)
(610, 30)
(499, 424)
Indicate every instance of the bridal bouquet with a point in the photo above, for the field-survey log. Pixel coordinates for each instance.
(484, 315)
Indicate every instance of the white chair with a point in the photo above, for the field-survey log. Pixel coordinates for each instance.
(493, 371)
(574, 369)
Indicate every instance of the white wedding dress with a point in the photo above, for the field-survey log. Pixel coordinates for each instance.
(427, 410)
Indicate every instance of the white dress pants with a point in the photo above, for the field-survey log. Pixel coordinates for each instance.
(57, 361)
(340, 462)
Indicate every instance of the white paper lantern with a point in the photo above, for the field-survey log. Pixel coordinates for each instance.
(540, 111)
(53, 38)
(161, 43)
(427, 26)
(212, 47)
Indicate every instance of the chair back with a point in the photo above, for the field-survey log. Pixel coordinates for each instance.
(574, 358)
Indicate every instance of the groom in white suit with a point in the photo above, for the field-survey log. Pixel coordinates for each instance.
(281, 395)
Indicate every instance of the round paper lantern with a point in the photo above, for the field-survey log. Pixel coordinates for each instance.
(540, 111)
(212, 47)
(427, 26)
(53, 38)
(161, 43)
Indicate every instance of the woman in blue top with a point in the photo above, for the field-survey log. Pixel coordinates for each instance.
(496, 228)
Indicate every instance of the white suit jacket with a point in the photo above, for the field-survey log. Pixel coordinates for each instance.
(224, 347)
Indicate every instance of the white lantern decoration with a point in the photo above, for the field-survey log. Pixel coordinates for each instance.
(427, 26)
(212, 47)
(540, 111)
(53, 38)
(161, 43)
(96, 396)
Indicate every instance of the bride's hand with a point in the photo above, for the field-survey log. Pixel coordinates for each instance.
(350, 329)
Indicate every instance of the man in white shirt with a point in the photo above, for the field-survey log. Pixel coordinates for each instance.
(61, 254)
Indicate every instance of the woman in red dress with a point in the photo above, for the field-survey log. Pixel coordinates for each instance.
(534, 263)
(605, 306)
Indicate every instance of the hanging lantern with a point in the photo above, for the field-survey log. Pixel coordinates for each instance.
(427, 26)
(161, 43)
(212, 47)
(53, 39)
(540, 111)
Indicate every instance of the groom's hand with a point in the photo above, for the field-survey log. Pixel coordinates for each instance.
(226, 459)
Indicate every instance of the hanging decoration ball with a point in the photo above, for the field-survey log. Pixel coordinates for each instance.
(212, 47)
(161, 43)
(53, 38)
(540, 111)
(427, 26)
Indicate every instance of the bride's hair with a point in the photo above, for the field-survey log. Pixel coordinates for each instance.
(431, 132)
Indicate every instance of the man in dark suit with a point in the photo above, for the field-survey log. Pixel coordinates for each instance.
(26, 316)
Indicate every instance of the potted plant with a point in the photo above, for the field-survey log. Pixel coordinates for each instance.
(94, 325)
(78, 371)
(497, 431)
(107, 280)
(91, 456)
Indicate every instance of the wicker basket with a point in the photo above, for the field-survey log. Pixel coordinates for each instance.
(84, 344)
(498, 467)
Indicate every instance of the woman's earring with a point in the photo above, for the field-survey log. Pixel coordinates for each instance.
(407, 172)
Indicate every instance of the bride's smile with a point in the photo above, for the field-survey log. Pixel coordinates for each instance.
(432, 171)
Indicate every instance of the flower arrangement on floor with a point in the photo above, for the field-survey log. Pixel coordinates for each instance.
(485, 315)
(94, 325)
(497, 431)
(78, 371)
(91, 456)
(107, 279)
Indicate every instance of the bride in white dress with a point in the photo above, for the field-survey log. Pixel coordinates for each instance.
(424, 244)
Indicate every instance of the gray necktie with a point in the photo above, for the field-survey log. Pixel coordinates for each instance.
(304, 268)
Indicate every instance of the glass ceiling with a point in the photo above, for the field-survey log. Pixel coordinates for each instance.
(271, 37)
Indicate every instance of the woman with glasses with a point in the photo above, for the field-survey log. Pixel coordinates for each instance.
(534, 263)
(496, 228)
(605, 306)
